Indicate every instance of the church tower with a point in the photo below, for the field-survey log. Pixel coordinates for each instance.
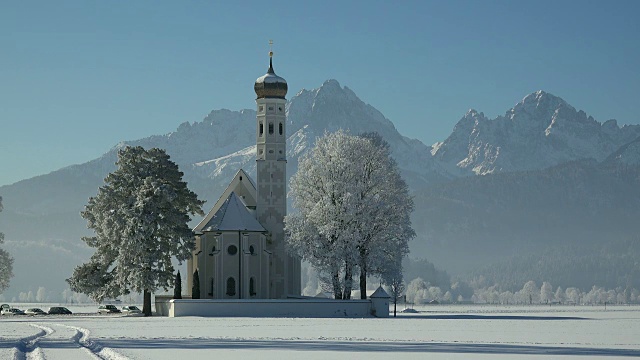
(271, 167)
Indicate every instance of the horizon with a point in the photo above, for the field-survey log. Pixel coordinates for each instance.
(79, 78)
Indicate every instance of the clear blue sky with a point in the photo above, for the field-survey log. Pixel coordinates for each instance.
(78, 76)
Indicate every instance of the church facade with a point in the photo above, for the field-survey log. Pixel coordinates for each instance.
(240, 250)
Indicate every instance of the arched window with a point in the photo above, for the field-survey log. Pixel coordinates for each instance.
(280, 129)
(231, 286)
(211, 287)
(270, 128)
(261, 129)
(252, 287)
(252, 250)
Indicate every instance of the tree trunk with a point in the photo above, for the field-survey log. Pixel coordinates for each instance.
(337, 291)
(395, 301)
(363, 273)
(146, 306)
(348, 282)
(363, 284)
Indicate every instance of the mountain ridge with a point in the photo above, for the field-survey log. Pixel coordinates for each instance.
(210, 151)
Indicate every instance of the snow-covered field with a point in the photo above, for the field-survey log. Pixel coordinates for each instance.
(435, 332)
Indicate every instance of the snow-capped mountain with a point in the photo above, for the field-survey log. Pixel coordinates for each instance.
(41, 215)
(540, 131)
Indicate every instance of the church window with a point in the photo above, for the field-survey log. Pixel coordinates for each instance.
(280, 128)
(231, 286)
(261, 151)
(232, 250)
(261, 129)
(270, 128)
(279, 108)
(252, 286)
(252, 250)
(270, 108)
(211, 288)
(261, 108)
(240, 178)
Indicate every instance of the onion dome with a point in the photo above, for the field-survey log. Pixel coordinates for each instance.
(270, 85)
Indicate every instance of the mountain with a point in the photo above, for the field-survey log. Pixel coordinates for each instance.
(473, 222)
(457, 211)
(540, 131)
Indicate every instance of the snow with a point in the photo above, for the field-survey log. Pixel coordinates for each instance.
(436, 332)
(233, 215)
(271, 79)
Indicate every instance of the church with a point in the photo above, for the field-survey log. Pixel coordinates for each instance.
(240, 250)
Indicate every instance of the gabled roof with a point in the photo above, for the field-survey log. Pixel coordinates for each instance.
(233, 215)
(245, 189)
(379, 293)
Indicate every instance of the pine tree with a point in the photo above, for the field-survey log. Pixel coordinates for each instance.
(195, 289)
(177, 290)
(6, 263)
(140, 218)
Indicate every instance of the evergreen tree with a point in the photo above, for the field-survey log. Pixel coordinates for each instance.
(6, 263)
(140, 219)
(177, 290)
(195, 289)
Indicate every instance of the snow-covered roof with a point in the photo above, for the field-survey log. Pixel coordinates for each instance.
(233, 215)
(379, 293)
(246, 190)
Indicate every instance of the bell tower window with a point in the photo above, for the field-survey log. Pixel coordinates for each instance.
(280, 128)
(270, 128)
(261, 129)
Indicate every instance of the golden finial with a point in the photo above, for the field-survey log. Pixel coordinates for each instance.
(270, 48)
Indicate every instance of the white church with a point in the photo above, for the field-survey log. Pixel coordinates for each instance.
(240, 247)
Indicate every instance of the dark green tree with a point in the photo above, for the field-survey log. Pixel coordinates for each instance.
(195, 289)
(6, 263)
(177, 290)
(140, 218)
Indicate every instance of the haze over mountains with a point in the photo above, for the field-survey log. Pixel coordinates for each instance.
(543, 179)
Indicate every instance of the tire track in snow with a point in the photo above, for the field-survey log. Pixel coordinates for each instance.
(98, 351)
(27, 348)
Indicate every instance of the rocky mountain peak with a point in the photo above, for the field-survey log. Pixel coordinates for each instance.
(540, 131)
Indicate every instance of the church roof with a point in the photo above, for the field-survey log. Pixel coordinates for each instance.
(243, 186)
(233, 215)
(379, 293)
(271, 85)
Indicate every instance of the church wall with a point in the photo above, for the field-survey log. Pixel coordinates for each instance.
(221, 256)
(308, 307)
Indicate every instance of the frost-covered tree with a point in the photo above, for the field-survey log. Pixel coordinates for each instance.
(140, 218)
(395, 284)
(6, 263)
(530, 292)
(573, 295)
(354, 210)
(546, 292)
(41, 294)
(417, 291)
(559, 295)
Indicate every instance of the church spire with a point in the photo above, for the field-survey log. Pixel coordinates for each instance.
(270, 85)
(270, 71)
